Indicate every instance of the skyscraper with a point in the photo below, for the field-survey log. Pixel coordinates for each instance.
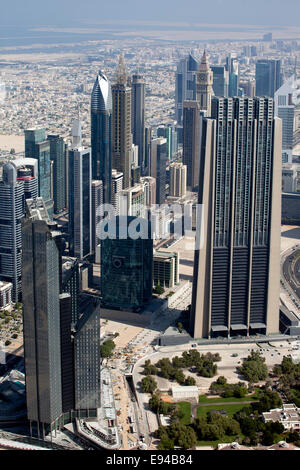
(220, 80)
(87, 361)
(101, 134)
(233, 69)
(121, 129)
(236, 270)
(185, 84)
(192, 115)
(41, 313)
(204, 83)
(36, 146)
(285, 100)
(149, 189)
(20, 181)
(132, 201)
(191, 142)
(268, 77)
(126, 267)
(158, 167)
(80, 197)
(177, 180)
(117, 186)
(148, 138)
(97, 201)
(58, 156)
(138, 117)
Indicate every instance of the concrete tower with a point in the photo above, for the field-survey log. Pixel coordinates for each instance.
(121, 128)
(204, 85)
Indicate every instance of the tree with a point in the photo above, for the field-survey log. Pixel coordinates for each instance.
(293, 436)
(187, 438)
(158, 290)
(189, 381)
(277, 370)
(254, 368)
(149, 369)
(154, 402)
(240, 391)
(107, 348)
(148, 384)
(166, 444)
(267, 400)
(268, 438)
(179, 376)
(221, 380)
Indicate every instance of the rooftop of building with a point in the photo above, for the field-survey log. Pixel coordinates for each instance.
(287, 413)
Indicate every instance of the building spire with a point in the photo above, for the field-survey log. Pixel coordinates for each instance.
(204, 62)
(121, 70)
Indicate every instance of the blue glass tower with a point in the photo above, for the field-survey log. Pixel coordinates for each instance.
(101, 117)
(126, 267)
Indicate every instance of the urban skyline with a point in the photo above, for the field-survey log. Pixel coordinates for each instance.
(149, 232)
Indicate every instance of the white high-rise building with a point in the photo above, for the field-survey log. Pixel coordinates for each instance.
(286, 98)
(117, 186)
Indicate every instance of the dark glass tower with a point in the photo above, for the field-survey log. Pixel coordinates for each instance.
(158, 167)
(80, 197)
(57, 156)
(36, 146)
(126, 267)
(268, 77)
(185, 84)
(41, 313)
(236, 273)
(138, 117)
(101, 134)
(220, 80)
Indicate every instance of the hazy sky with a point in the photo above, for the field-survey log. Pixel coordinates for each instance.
(69, 12)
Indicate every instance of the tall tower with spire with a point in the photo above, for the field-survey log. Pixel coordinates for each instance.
(204, 83)
(121, 124)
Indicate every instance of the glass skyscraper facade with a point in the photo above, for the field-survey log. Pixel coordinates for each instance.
(41, 313)
(80, 202)
(58, 157)
(36, 146)
(138, 117)
(87, 362)
(268, 77)
(185, 84)
(126, 267)
(158, 168)
(101, 134)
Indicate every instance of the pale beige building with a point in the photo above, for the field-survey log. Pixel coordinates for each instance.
(237, 261)
(178, 174)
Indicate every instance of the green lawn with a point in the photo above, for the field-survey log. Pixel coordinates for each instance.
(231, 409)
(186, 407)
(224, 440)
(204, 399)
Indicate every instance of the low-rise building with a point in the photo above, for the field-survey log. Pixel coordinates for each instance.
(288, 415)
(187, 391)
(165, 268)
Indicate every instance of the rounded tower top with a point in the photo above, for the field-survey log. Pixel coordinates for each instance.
(101, 94)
